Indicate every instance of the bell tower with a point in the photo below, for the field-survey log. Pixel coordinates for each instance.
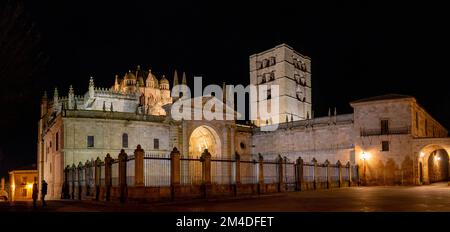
(291, 71)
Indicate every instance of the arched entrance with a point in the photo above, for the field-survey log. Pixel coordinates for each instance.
(433, 164)
(204, 137)
(438, 166)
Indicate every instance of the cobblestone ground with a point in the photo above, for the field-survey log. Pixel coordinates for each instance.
(434, 197)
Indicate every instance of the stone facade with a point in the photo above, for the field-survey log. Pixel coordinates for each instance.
(390, 137)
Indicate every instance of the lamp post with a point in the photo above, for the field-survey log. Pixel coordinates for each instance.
(364, 156)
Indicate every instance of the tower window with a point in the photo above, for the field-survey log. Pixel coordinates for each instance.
(90, 141)
(272, 60)
(156, 144)
(272, 75)
(125, 140)
(269, 94)
(263, 79)
(385, 146)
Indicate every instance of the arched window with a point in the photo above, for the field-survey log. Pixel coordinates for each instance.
(125, 140)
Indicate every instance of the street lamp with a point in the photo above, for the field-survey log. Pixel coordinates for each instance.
(364, 156)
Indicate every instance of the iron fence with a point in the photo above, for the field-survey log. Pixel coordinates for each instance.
(156, 170)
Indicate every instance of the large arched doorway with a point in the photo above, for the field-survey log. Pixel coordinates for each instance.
(204, 137)
(438, 166)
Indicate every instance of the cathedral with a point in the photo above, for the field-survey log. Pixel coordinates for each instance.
(393, 136)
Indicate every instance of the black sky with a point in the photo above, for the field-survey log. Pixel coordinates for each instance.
(357, 50)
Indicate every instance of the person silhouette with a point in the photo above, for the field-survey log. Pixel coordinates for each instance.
(43, 192)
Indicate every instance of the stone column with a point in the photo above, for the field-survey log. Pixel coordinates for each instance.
(281, 186)
(108, 176)
(349, 171)
(327, 166)
(206, 172)
(175, 172)
(123, 157)
(139, 166)
(97, 178)
(299, 172)
(339, 165)
(314, 161)
(261, 174)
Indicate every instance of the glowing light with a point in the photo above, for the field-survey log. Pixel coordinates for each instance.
(437, 158)
(422, 154)
(29, 186)
(364, 156)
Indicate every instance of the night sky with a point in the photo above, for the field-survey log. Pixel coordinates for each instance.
(357, 50)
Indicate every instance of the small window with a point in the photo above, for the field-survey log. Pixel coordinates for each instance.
(57, 141)
(269, 94)
(156, 144)
(272, 60)
(125, 140)
(385, 146)
(24, 180)
(90, 141)
(272, 76)
(384, 126)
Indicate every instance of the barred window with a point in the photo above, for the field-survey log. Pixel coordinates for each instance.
(57, 141)
(385, 146)
(90, 141)
(125, 140)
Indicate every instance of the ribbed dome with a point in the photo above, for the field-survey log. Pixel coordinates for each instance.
(130, 76)
(164, 80)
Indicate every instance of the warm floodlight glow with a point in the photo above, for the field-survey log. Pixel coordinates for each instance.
(364, 156)
(29, 186)
(437, 158)
(422, 154)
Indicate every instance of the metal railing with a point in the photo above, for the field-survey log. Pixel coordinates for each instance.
(390, 131)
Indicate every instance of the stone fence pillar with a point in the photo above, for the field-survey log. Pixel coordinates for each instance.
(237, 170)
(79, 176)
(315, 172)
(281, 187)
(349, 171)
(175, 172)
(299, 173)
(139, 166)
(87, 170)
(339, 165)
(65, 188)
(206, 172)
(328, 168)
(261, 174)
(97, 177)
(123, 157)
(74, 176)
(108, 176)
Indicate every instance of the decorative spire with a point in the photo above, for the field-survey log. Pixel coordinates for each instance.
(55, 93)
(71, 92)
(184, 79)
(335, 113)
(175, 78)
(111, 108)
(224, 90)
(91, 82)
(329, 112)
(104, 106)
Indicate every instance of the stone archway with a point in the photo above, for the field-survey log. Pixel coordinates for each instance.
(438, 166)
(204, 137)
(433, 164)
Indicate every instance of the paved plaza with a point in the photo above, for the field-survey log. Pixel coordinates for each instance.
(428, 198)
